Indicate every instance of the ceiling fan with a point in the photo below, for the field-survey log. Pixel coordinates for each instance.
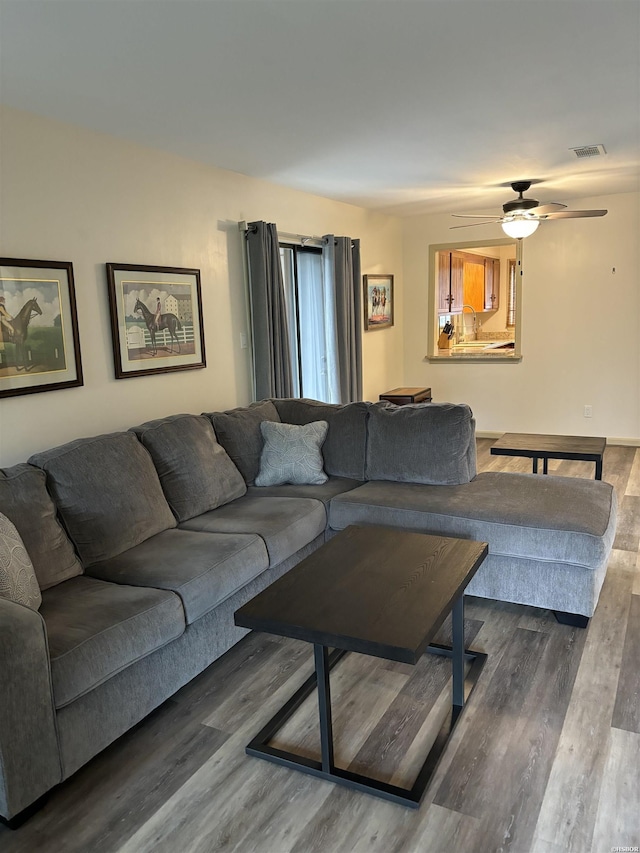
(522, 216)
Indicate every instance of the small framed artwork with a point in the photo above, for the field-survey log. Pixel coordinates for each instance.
(378, 302)
(39, 342)
(156, 319)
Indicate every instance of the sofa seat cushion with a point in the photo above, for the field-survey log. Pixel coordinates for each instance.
(285, 524)
(430, 443)
(324, 492)
(203, 569)
(195, 471)
(558, 519)
(24, 499)
(96, 629)
(107, 492)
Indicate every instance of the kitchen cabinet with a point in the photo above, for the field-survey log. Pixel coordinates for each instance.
(473, 287)
(465, 278)
(450, 282)
(491, 284)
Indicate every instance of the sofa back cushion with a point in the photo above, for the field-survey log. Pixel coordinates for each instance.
(238, 431)
(107, 492)
(344, 450)
(195, 471)
(432, 443)
(24, 499)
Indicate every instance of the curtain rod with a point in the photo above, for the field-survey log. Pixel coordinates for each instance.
(285, 236)
(302, 239)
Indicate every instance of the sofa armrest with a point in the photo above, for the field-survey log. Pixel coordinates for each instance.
(29, 754)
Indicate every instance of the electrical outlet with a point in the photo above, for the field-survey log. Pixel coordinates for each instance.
(588, 411)
(243, 340)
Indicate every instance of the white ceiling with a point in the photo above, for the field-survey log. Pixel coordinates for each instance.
(408, 106)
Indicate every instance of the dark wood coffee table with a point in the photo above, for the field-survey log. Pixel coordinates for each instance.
(546, 447)
(378, 591)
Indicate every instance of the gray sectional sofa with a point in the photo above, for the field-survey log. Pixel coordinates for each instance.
(145, 542)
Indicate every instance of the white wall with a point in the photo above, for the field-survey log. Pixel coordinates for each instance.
(580, 327)
(73, 195)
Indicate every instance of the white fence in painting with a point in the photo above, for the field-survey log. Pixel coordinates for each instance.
(139, 337)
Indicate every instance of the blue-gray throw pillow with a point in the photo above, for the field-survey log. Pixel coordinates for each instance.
(292, 454)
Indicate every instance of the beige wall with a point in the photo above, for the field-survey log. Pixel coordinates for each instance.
(73, 195)
(580, 339)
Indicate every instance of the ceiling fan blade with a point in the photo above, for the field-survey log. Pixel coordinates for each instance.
(551, 207)
(573, 214)
(471, 224)
(475, 216)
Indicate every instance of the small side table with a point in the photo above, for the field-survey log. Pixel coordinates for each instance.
(546, 447)
(404, 396)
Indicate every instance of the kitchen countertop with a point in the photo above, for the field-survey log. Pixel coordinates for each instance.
(476, 352)
(488, 350)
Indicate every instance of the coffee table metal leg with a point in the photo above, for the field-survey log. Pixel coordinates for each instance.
(599, 468)
(457, 653)
(545, 465)
(535, 464)
(326, 769)
(321, 655)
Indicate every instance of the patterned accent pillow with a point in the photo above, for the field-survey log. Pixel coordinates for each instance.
(291, 454)
(17, 578)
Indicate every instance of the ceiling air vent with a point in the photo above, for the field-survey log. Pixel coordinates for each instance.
(588, 151)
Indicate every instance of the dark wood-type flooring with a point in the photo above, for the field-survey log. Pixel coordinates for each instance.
(545, 760)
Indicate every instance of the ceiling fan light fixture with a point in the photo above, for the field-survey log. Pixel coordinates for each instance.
(520, 226)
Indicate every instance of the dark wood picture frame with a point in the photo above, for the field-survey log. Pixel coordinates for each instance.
(377, 302)
(150, 336)
(43, 355)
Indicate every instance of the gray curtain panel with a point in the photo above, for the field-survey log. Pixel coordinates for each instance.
(271, 355)
(342, 267)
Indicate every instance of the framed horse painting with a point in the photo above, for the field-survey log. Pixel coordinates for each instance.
(378, 302)
(39, 342)
(156, 319)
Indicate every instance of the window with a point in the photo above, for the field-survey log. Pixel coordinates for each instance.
(311, 338)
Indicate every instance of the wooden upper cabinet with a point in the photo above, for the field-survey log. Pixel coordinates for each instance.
(444, 277)
(491, 284)
(457, 272)
(473, 283)
(450, 273)
(467, 279)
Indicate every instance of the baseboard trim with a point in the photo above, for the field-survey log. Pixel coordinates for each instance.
(620, 442)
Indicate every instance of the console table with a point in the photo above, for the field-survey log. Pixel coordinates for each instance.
(545, 447)
(405, 396)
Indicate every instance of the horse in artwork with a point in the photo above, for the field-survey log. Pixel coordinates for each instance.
(20, 324)
(167, 321)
